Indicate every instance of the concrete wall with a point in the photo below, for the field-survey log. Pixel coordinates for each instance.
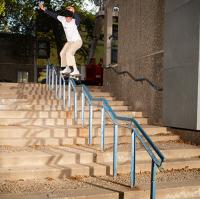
(181, 64)
(12, 57)
(140, 35)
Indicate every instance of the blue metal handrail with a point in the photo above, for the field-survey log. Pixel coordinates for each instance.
(52, 76)
(72, 84)
(137, 131)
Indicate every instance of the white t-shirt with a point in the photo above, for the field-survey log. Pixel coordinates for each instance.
(70, 28)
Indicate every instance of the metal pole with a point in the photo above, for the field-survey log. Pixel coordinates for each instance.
(64, 95)
(56, 85)
(47, 74)
(115, 144)
(60, 86)
(133, 157)
(83, 107)
(49, 81)
(154, 170)
(90, 123)
(69, 95)
(102, 128)
(75, 106)
(52, 81)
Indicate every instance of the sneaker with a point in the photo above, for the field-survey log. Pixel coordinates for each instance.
(66, 70)
(75, 72)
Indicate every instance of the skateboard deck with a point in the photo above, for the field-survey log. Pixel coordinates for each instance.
(68, 75)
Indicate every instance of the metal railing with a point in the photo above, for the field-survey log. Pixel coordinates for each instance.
(136, 130)
(140, 79)
(56, 81)
(72, 86)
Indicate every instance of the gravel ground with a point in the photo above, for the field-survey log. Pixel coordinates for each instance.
(73, 183)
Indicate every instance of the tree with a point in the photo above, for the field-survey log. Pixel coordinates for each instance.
(21, 16)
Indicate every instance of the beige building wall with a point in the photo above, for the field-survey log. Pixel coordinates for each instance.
(140, 52)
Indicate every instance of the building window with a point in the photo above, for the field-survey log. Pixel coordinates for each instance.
(114, 55)
(114, 44)
(22, 76)
(43, 49)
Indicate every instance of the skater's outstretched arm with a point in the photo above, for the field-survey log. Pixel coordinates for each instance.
(77, 19)
(50, 13)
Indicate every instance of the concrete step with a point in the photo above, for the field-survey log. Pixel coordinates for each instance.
(42, 105)
(96, 114)
(114, 107)
(100, 188)
(145, 166)
(32, 114)
(50, 94)
(84, 193)
(97, 121)
(52, 171)
(62, 131)
(54, 122)
(30, 107)
(125, 139)
(41, 156)
(46, 102)
(124, 155)
(31, 121)
(35, 97)
(55, 141)
(83, 132)
(59, 139)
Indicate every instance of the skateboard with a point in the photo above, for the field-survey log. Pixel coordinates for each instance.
(76, 77)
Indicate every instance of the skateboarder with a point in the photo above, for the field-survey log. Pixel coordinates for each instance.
(70, 23)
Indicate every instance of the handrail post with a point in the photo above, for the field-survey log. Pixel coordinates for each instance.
(69, 95)
(75, 107)
(133, 157)
(47, 74)
(102, 128)
(90, 123)
(60, 86)
(82, 107)
(52, 80)
(64, 95)
(56, 85)
(154, 170)
(115, 152)
(49, 81)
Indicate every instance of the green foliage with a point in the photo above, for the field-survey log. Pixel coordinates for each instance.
(22, 16)
(3, 4)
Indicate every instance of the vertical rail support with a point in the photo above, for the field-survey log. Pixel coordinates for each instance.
(49, 79)
(52, 80)
(47, 74)
(56, 85)
(64, 95)
(115, 152)
(90, 123)
(102, 128)
(82, 107)
(60, 87)
(154, 170)
(133, 156)
(75, 107)
(69, 95)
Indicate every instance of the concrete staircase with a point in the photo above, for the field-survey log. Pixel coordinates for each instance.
(40, 140)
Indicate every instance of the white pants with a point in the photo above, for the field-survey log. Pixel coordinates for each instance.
(67, 53)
